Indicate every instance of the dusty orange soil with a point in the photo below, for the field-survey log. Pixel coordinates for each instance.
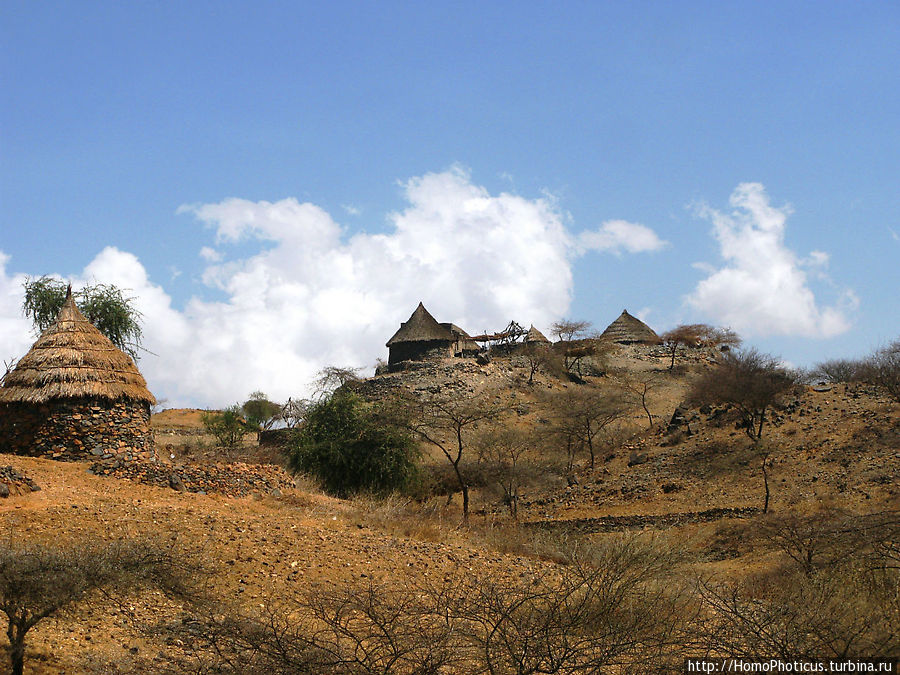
(262, 547)
(840, 446)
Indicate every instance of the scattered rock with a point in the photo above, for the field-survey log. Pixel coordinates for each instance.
(14, 483)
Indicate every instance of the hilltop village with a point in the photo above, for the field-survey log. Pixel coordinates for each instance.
(493, 503)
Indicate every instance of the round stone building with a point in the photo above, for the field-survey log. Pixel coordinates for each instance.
(75, 395)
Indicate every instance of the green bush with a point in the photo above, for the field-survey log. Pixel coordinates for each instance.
(228, 426)
(351, 448)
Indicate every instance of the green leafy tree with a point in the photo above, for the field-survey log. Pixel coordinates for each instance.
(352, 447)
(228, 425)
(260, 412)
(104, 305)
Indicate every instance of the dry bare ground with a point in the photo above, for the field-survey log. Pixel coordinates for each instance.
(834, 451)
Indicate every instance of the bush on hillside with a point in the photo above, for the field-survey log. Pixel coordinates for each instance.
(228, 425)
(351, 447)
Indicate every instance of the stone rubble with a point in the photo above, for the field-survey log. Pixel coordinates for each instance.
(233, 480)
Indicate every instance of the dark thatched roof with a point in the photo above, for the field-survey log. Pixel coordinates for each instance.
(534, 335)
(421, 327)
(72, 359)
(627, 330)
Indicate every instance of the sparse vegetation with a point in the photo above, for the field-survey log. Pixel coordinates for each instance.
(540, 575)
(447, 422)
(39, 581)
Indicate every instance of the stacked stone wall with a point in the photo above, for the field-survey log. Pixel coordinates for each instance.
(72, 429)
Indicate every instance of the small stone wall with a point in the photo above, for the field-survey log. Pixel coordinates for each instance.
(418, 351)
(71, 429)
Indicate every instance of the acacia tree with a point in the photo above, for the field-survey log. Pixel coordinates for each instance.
(540, 356)
(579, 415)
(696, 334)
(640, 385)
(751, 382)
(573, 343)
(104, 305)
(260, 412)
(446, 421)
(504, 453)
(42, 580)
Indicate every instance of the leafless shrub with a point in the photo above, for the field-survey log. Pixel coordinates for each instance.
(613, 604)
(883, 369)
(838, 612)
(43, 580)
(838, 370)
(812, 542)
(838, 597)
(507, 456)
(748, 380)
(579, 415)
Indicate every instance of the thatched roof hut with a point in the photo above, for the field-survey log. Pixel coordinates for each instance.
(420, 327)
(629, 330)
(75, 393)
(72, 359)
(421, 337)
(535, 336)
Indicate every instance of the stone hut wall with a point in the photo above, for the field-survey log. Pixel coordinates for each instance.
(419, 351)
(70, 429)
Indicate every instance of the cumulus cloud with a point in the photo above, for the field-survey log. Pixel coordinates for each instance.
(15, 329)
(761, 288)
(616, 236)
(313, 294)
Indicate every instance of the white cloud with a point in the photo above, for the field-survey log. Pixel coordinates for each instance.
(618, 235)
(315, 296)
(15, 330)
(351, 210)
(210, 254)
(761, 289)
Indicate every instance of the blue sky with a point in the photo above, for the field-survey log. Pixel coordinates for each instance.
(280, 183)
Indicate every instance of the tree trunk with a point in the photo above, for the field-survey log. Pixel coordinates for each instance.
(17, 657)
(766, 483)
(644, 405)
(465, 494)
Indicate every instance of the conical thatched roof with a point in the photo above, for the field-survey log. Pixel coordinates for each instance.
(627, 329)
(72, 359)
(421, 327)
(534, 335)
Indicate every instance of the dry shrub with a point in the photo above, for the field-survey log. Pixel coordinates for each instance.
(837, 596)
(41, 580)
(611, 604)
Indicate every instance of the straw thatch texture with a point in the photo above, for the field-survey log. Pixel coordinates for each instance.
(72, 359)
(421, 327)
(629, 330)
(535, 336)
